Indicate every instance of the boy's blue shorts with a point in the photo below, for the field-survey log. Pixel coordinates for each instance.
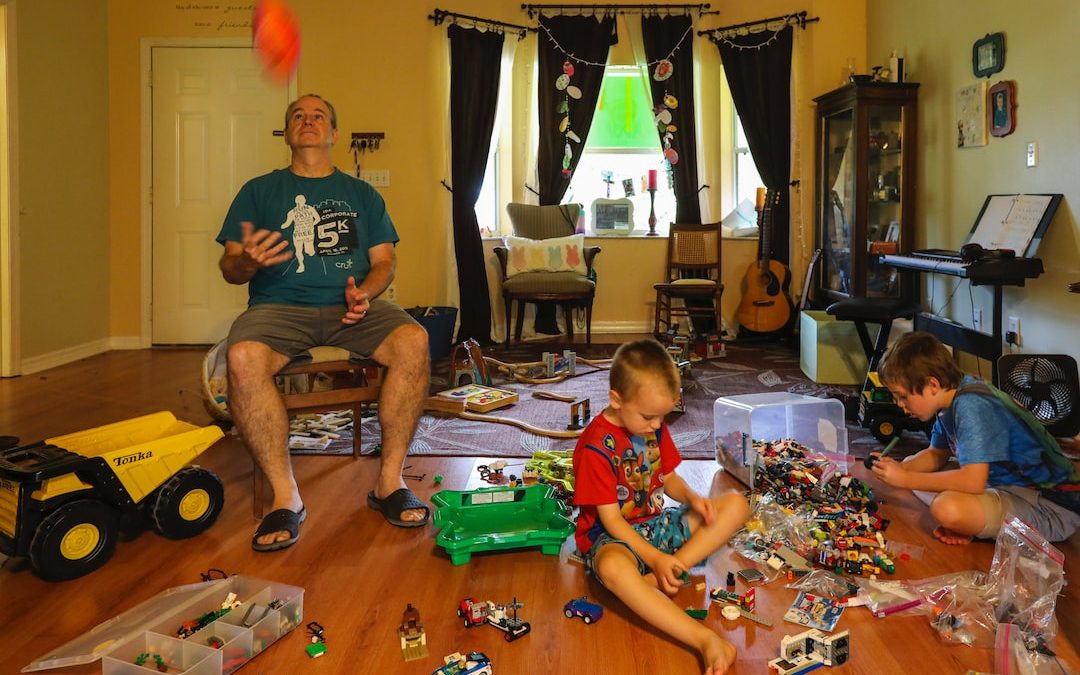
(667, 531)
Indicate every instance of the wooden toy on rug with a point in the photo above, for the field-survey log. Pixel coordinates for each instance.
(467, 363)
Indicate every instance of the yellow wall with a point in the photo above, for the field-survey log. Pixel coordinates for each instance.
(385, 71)
(62, 163)
(936, 39)
(80, 95)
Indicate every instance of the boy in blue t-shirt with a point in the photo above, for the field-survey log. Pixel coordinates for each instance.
(1005, 466)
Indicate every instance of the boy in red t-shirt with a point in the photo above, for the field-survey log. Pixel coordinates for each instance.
(624, 464)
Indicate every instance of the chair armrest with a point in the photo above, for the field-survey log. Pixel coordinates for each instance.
(500, 253)
(590, 253)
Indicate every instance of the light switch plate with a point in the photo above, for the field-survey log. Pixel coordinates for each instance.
(1033, 153)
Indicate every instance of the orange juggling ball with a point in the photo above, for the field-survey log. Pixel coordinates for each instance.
(276, 38)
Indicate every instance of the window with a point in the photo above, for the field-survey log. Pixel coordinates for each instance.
(487, 203)
(621, 149)
(747, 179)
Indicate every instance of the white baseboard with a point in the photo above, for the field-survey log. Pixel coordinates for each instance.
(64, 356)
(125, 342)
(616, 327)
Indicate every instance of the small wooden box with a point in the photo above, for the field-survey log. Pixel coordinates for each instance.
(478, 398)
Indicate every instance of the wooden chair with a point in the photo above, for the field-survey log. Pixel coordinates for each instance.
(692, 276)
(567, 289)
(354, 383)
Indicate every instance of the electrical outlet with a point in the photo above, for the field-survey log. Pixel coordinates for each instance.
(1033, 153)
(1014, 329)
(390, 293)
(376, 177)
(977, 320)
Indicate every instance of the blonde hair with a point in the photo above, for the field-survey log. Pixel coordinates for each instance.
(637, 361)
(914, 359)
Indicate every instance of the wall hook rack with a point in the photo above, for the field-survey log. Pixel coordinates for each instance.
(367, 141)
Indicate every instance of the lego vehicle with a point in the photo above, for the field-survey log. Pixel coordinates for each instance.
(477, 613)
(809, 651)
(64, 500)
(588, 611)
(476, 663)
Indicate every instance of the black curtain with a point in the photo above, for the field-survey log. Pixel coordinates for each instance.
(758, 69)
(661, 35)
(588, 39)
(475, 58)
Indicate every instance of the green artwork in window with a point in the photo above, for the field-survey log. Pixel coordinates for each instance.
(623, 116)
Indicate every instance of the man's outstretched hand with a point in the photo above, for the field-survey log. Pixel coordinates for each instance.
(356, 302)
(262, 248)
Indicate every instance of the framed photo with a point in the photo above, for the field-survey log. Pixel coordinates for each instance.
(971, 116)
(1001, 100)
(988, 55)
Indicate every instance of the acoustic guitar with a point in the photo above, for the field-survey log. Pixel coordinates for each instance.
(765, 306)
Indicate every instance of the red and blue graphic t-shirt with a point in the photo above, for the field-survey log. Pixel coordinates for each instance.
(611, 466)
(329, 222)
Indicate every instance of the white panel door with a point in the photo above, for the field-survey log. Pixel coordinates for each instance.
(213, 120)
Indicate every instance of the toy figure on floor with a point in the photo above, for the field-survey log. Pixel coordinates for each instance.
(1008, 462)
(636, 548)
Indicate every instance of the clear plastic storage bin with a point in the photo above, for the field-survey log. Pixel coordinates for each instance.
(149, 631)
(817, 423)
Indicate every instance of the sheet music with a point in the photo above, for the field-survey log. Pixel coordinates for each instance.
(1010, 221)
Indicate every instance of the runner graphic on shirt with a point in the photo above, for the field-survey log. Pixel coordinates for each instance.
(304, 217)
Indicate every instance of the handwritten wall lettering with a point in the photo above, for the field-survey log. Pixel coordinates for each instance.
(218, 16)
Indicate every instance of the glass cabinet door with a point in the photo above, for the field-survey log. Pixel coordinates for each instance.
(838, 200)
(884, 197)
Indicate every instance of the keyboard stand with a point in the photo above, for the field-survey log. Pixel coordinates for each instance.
(966, 339)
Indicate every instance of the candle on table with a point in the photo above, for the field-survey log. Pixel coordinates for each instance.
(652, 179)
(760, 204)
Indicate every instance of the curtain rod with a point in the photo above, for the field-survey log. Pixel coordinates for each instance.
(533, 10)
(440, 15)
(798, 19)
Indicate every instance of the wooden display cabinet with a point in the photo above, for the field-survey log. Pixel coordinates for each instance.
(865, 188)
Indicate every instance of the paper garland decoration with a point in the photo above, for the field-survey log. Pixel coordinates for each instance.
(662, 113)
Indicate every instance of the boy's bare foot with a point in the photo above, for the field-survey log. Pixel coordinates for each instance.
(950, 537)
(718, 654)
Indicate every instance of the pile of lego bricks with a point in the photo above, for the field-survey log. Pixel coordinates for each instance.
(846, 532)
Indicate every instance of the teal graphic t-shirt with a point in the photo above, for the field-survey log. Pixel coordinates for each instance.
(329, 224)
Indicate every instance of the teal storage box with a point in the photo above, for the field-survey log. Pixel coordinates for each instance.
(830, 351)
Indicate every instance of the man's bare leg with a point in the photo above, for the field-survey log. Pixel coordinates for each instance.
(260, 417)
(405, 354)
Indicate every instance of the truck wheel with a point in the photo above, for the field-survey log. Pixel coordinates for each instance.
(188, 503)
(74, 540)
(885, 429)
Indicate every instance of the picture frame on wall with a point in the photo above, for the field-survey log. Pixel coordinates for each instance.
(988, 55)
(971, 116)
(1001, 102)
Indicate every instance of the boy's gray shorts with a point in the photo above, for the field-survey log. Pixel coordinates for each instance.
(1054, 521)
(293, 329)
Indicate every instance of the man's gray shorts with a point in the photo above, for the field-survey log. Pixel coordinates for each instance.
(293, 329)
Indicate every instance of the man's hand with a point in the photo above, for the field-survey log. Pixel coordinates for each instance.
(356, 303)
(702, 506)
(262, 248)
(668, 569)
(891, 472)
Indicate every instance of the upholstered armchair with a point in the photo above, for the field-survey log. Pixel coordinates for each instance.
(546, 261)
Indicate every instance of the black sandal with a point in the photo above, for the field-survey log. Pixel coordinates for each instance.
(392, 506)
(279, 520)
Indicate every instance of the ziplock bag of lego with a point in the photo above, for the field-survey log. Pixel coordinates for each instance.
(1026, 577)
(1012, 656)
(770, 523)
(887, 597)
(825, 583)
(965, 615)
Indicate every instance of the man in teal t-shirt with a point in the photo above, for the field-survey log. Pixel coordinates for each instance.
(316, 248)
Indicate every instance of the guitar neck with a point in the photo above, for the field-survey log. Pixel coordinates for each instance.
(765, 226)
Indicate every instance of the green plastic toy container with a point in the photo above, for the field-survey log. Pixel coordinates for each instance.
(500, 518)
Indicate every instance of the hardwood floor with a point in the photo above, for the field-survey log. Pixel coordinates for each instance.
(359, 572)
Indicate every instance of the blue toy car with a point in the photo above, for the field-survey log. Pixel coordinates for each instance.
(588, 611)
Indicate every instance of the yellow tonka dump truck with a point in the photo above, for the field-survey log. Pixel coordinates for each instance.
(64, 500)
